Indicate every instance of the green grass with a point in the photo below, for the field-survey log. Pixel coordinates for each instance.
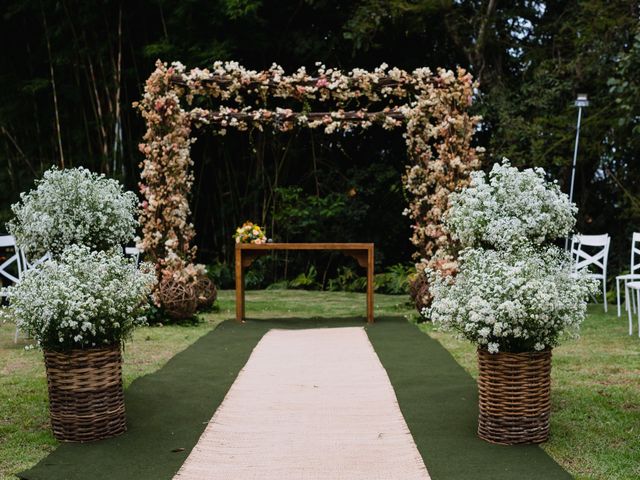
(595, 421)
(168, 410)
(25, 437)
(596, 389)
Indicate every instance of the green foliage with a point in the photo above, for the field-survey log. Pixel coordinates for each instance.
(254, 277)
(531, 58)
(306, 280)
(281, 285)
(395, 280)
(221, 274)
(313, 218)
(347, 281)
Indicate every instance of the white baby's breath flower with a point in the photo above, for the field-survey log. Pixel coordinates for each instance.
(74, 206)
(512, 292)
(519, 299)
(80, 298)
(509, 208)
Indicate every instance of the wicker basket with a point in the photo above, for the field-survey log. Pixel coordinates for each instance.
(514, 403)
(86, 400)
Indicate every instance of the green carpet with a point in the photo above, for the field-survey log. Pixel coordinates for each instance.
(168, 410)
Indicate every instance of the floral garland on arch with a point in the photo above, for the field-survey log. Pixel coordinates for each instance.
(432, 106)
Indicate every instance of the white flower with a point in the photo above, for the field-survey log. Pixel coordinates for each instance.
(81, 298)
(519, 300)
(511, 292)
(509, 208)
(74, 206)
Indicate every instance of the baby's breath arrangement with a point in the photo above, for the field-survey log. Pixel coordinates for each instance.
(73, 206)
(509, 208)
(81, 299)
(514, 290)
(515, 300)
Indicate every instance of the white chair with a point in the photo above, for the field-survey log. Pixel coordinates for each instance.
(634, 273)
(12, 268)
(598, 245)
(629, 288)
(28, 264)
(14, 261)
(133, 252)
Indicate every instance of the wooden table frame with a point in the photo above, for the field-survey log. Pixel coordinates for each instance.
(246, 253)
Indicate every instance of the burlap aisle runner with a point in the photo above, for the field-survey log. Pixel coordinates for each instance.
(309, 404)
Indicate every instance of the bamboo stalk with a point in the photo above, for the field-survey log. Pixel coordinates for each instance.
(53, 85)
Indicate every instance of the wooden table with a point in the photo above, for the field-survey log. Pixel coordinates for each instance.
(246, 253)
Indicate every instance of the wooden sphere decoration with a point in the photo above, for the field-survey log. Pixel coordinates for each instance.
(206, 291)
(178, 299)
(419, 292)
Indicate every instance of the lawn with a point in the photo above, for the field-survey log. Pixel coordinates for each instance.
(596, 393)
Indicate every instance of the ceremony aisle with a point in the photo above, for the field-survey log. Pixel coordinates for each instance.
(168, 411)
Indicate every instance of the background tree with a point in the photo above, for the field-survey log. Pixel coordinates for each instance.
(531, 57)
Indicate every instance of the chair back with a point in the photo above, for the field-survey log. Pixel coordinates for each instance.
(635, 254)
(594, 256)
(11, 268)
(133, 252)
(28, 264)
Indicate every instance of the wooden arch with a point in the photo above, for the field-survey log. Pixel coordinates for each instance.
(431, 107)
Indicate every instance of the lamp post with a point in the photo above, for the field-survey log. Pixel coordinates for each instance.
(581, 102)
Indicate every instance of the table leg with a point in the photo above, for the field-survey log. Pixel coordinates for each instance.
(370, 266)
(239, 287)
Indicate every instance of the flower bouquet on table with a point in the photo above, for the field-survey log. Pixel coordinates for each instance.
(515, 295)
(250, 232)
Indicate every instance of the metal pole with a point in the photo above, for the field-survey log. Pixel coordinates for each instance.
(575, 155)
(573, 166)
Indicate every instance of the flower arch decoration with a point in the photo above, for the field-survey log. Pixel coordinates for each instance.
(432, 107)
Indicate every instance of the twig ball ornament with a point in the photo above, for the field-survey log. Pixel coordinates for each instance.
(206, 291)
(419, 292)
(178, 299)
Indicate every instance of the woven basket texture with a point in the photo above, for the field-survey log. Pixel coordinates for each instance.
(514, 400)
(86, 400)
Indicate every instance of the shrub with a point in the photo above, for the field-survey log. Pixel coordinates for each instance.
(508, 209)
(395, 280)
(81, 299)
(307, 281)
(221, 274)
(73, 206)
(511, 292)
(348, 280)
(514, 300)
